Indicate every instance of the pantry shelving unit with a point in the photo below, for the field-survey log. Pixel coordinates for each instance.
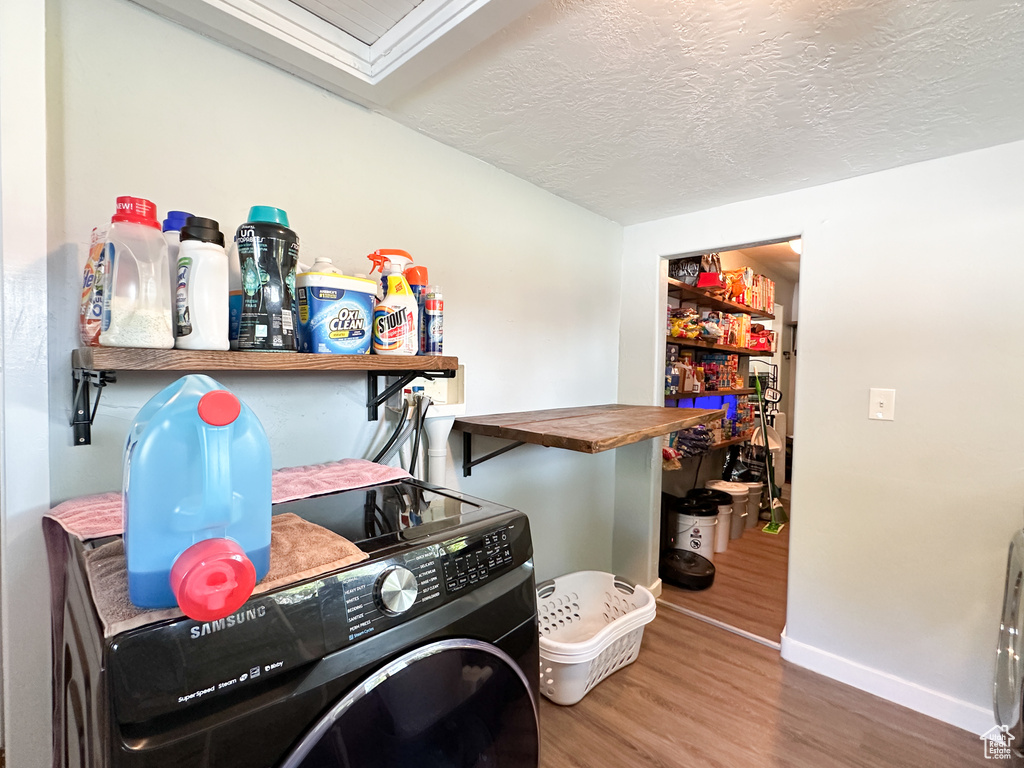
(98, 367)
(691, 295)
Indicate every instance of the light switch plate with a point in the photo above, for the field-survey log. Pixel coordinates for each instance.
(882, 404)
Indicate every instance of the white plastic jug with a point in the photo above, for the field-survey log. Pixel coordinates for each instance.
(202, 294)
(137, 290)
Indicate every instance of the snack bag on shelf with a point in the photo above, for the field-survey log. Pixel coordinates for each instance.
(684, 323)
(91, 311)
(739, 284)
(710, 327)
(669, 455)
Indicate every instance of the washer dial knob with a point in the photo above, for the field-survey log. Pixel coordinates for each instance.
(396, 590)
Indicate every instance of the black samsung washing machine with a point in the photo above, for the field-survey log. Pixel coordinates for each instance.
(424, 655)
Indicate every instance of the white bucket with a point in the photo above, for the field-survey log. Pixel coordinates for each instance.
(739, 520)
(722, 529)
(739, 493)
(695, 533)
(753, 503)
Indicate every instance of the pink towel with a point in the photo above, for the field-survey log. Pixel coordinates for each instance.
(90, 517)
(344, 475)
(93, 517)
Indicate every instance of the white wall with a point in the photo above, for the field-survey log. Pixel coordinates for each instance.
(137, 105)
(520, 268)
(23, 407)
(909, 279)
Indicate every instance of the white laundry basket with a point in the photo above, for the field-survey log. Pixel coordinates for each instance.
(591, 624)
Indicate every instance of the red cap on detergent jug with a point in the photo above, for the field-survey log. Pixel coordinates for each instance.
(219, 408)
(212, 579)
(136, 210)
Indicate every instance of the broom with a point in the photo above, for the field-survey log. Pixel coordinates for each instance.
(778, 513)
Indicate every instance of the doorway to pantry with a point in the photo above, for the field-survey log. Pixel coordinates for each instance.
(748, 295)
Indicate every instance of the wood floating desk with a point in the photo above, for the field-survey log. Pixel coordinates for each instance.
(589, 429)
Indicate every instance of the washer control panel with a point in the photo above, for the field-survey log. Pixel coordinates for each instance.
(475, 560)
(369, 599)
(376, 596)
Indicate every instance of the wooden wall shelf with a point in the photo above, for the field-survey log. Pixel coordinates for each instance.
(730, 441)
(693, 295)
(691, 395)
(124, 359)
(98, 366)
(698, 344)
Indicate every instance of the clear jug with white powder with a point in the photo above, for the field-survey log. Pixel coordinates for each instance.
(137, 291)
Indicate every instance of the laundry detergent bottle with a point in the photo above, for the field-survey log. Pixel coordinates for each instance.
(136, 290)
(197, 501)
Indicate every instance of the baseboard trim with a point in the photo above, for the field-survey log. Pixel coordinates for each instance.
(720, 624)
(655, 588)
(962, 714)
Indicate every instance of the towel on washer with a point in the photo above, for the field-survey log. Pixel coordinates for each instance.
(299, 550)
(99, 515)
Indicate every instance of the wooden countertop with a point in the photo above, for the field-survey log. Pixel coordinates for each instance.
(590, 429)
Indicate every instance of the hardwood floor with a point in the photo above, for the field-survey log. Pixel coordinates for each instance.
(749, 592)
(701, 697)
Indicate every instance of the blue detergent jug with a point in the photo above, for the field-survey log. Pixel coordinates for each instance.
(197, 501)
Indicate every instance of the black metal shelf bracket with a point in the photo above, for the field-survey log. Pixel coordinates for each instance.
(468, 462)
(375, 398)
(82, 415)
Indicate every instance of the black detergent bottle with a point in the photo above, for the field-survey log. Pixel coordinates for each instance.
(268, 252)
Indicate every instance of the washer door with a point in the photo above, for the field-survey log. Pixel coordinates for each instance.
(450, 704)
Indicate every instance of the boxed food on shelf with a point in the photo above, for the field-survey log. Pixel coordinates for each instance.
(763, 340)
(721, 371)
(761, 296)
(671, 383)
(742, 286)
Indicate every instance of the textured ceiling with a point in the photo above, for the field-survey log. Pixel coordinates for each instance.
(639, 109)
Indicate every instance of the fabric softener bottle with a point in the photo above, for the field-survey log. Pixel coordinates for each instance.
(197, 501)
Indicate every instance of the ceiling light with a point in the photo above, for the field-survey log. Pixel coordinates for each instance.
(797, 245)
